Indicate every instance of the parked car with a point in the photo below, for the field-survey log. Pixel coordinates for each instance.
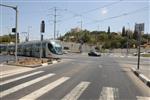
(94, 53)
(141, 53)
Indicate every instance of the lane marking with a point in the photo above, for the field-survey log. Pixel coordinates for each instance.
(142, 98)
(100, 66)
(109, 93)
(36, 94)
(14, 72)
(21, 86)
(77, 91)
(21, 77)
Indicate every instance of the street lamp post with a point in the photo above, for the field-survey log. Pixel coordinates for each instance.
(128, 31)
(16, 25)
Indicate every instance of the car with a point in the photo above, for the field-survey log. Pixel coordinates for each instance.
(66, 50)
(141, 53)
(94, 53)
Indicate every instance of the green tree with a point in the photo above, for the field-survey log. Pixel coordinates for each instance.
(135, 35)
(108, 31)
(123, 31)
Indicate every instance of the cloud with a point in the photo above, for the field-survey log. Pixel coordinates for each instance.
(104, 11)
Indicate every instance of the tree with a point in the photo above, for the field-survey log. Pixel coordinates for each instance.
(108, 31)
(135, 35)
(123, 31)
(102, 37)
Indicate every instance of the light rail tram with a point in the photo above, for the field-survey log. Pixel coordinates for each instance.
(32, 48)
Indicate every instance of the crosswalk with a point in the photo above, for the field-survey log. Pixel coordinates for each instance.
(77, 91)
(107, 93)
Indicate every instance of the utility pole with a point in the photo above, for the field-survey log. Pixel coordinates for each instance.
(28, 32)
(128, 39)
(16, 27)
(57, 34)
(127, 42)
(81, 23)
(98, 28)
(55, 21)
(55, 10)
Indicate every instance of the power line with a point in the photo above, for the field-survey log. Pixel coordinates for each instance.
(89, 11)
(121, 15)
(108, 5)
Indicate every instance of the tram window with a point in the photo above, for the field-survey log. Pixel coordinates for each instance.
(50, 47)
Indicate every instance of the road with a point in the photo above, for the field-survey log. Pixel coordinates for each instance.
(76, 77)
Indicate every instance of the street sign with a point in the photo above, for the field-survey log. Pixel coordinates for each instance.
(139, 27)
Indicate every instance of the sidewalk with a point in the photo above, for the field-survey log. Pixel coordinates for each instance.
(143, 73)
(7, 70)
(143, 69)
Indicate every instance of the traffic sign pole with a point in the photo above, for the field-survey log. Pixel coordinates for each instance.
(139, 28)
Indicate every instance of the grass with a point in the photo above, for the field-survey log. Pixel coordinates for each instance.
(146, 55)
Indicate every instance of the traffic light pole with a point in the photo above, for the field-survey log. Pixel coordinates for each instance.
(16, 44)
(41, 48)
(42, 30)
(16, 31)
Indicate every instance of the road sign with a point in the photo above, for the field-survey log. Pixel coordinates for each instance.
(139, 27)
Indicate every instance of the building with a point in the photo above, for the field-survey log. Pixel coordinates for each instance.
(77, 29)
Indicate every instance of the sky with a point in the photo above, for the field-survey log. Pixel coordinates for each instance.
(94, 14)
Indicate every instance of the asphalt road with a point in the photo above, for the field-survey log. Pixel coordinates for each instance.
(76, 77)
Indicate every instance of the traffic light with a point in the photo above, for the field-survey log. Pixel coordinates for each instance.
(42, 26)
(14, 30)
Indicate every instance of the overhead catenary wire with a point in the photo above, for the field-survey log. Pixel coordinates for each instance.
(89, 11)
(108, 5)
(117, 16)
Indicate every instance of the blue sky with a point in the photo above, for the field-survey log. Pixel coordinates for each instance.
(71, 12)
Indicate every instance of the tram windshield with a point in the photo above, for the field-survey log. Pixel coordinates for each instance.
(55, 47)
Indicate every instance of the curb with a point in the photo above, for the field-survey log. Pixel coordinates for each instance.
(53, 62)
(141, 77)
(34, 66)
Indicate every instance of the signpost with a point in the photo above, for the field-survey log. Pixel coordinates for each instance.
(42, 30)
(139, 28)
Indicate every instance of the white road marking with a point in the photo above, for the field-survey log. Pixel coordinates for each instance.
(13, 72)
(109, 93)
(144, 77)
(142, 98)
(34, 95)
(100, 66)
(21, 86)
(77, 91)
(21, 77)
